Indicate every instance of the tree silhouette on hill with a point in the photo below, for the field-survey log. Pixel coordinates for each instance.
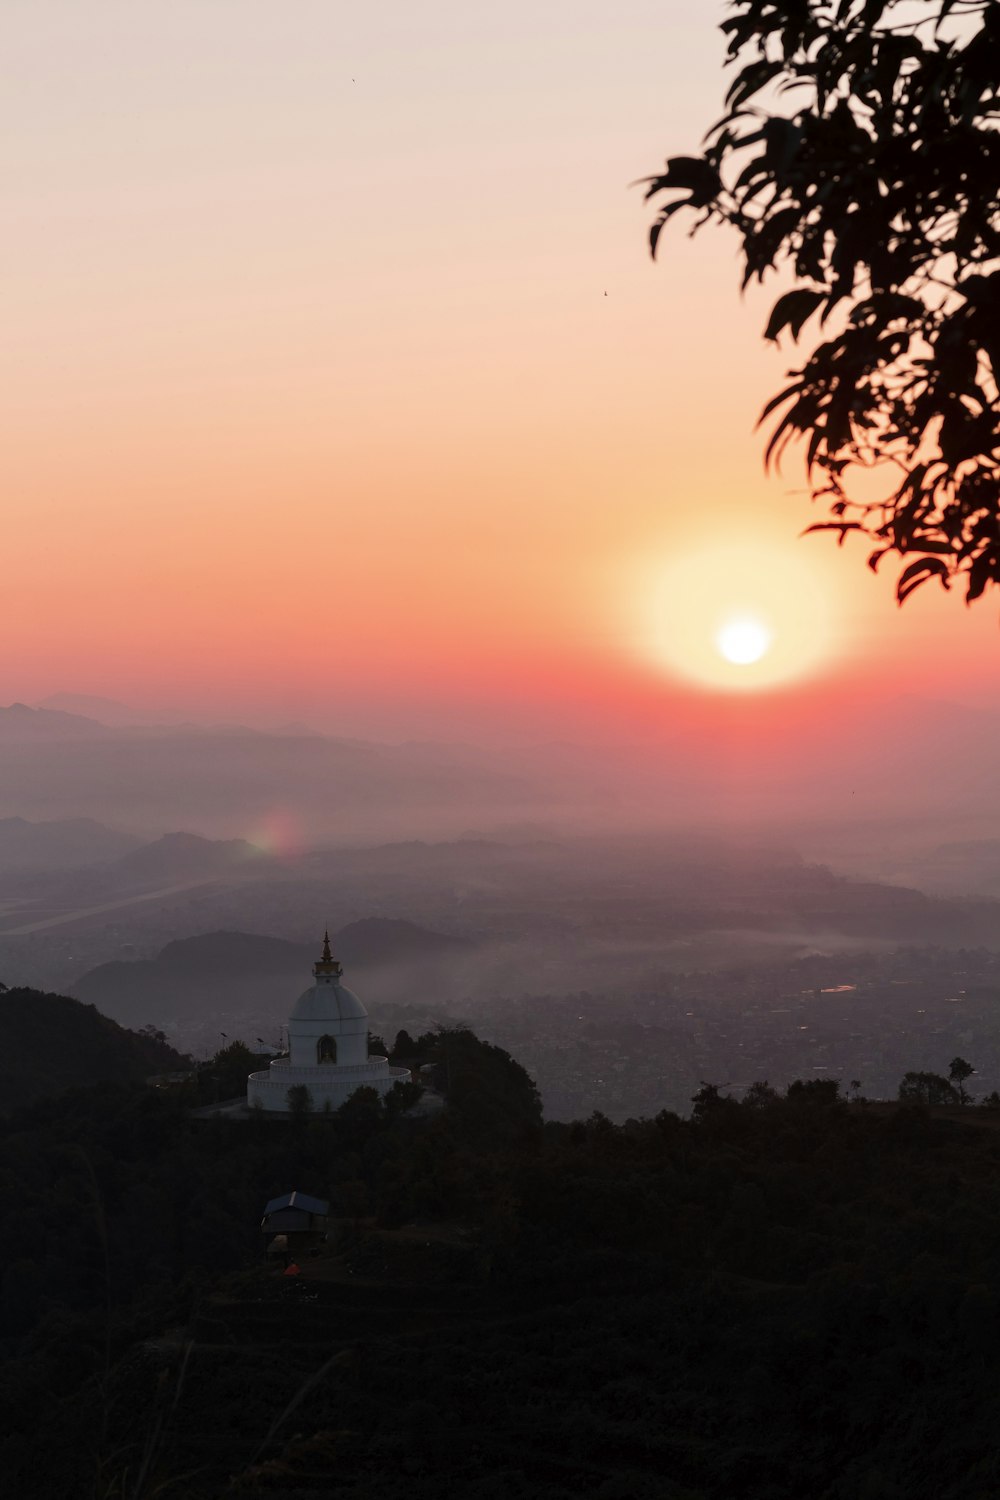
(859, 159)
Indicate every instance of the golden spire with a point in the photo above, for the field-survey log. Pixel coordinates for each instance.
(327, 964)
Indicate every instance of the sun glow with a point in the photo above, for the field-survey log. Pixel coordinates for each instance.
(740, 617)
(743, 641)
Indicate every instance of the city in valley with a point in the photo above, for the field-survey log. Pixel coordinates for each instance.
(623, 968)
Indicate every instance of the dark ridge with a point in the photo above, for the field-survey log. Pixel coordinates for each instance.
(53, 1043)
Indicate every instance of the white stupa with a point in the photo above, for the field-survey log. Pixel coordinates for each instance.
(327, 1048)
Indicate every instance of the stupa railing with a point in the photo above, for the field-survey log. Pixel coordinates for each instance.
(282, 1070)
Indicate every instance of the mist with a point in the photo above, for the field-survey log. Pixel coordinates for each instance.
(870, 784)
(179, 876)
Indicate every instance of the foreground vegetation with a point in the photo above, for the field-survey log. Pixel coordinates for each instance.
(52, 1043)
(787, 1296)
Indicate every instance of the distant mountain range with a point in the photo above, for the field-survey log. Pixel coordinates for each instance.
(806, 773)
(177, 856)
(74, 844)
(105, 710)
(64, 843)
(20, 724)
(59, 765)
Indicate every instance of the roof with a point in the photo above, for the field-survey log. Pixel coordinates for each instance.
(329, 1001)
(301, 1201)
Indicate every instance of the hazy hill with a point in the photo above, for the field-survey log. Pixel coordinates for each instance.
(110, 714)
(20, 724)
(375, 941)
(225, 781)
(216, 973)
(244, 974)
(727, 765)
(63, 843)
(655, 889)
(105, 710)
(53, 1043)
(959, 866)
(179, 856)
(216, 955)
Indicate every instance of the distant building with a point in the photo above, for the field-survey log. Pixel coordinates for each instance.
(327, 1048)
(293, 1223)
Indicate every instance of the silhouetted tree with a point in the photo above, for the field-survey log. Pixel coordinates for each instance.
(813, 1091)
(958, 1074)
(491, 1092)
(927, 1088)
(360, 1116)
(709, 1100)
(759, 1095)
(400, 1098)
(875, 194)
(224, 1076)
(404, 1045)
(299, 1101)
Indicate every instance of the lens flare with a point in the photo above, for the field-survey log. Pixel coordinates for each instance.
(279, 834)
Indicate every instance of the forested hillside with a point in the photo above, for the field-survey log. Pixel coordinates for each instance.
(787, 1297)
(52, 1043)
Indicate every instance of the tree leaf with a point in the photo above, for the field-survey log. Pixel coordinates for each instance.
(919, 572)
(792, 311)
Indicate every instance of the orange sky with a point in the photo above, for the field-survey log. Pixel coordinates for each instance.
(313, 402)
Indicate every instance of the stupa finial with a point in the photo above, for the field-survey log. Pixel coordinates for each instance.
(327, 965)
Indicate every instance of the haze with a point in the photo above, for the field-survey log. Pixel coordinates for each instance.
(368, 484)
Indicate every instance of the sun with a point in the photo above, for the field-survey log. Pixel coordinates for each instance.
(743, 640)
(743, 617)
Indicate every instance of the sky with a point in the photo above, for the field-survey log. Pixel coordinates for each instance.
(338, 384)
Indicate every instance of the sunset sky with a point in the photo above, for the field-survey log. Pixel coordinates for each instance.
(339, 385)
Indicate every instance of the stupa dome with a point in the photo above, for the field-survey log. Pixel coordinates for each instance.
(328, 1001)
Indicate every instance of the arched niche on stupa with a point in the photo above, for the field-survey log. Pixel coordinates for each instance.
(326, 1049)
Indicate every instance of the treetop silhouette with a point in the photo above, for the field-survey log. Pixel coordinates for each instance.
(859, 158)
